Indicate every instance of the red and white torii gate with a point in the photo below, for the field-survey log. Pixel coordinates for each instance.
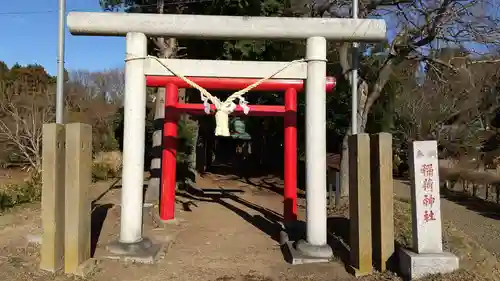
(142, 70)
(172, 110)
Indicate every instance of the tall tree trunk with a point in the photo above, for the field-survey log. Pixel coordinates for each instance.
(366, 99)
(363, 111)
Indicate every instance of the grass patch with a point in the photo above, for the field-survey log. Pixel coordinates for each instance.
(106, 166)
(402, 223)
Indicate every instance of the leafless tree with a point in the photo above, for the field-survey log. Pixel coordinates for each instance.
(94, 98)
(418, 27)
(453, 107)
(21, 126)
(107, 85)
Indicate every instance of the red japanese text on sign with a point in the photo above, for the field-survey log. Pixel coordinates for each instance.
(428, 185)
(428, 200)
(427, 170)
(429, 216)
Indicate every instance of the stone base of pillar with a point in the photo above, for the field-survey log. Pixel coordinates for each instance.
(303, 252)
(143, 251)
(415, 266)
(317, 251)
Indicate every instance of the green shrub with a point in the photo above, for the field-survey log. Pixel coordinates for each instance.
(15, 194)
(107, 142)
(187, 134)
(103, 172)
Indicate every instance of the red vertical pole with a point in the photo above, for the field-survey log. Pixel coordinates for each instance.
(168, 167)
(290, 122)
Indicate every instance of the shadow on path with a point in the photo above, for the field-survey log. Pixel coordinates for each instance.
(98, 216)
(267, 220)
(483, 207)
(268, 183)
(338, 237)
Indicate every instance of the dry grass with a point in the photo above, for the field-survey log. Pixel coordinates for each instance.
(112, 159)
(106, 165)
(402, 223)
(476, 263)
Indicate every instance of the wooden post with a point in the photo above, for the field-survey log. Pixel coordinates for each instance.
(359, 205)
(382, 200)
(53, 146)
(78, 204)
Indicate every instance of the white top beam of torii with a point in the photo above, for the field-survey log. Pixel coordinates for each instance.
(226, 27)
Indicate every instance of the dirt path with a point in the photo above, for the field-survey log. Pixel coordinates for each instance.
(230, 238)
(482, 227)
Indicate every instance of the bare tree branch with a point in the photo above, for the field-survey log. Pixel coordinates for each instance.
(22, 129)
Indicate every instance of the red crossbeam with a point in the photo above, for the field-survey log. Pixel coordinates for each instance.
(255, 110)
(234, 83)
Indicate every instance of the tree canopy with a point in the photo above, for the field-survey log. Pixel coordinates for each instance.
(430, 57)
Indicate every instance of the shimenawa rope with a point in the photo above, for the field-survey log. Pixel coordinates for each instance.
(223, 109)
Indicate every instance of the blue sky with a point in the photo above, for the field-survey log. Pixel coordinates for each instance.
(29, 35)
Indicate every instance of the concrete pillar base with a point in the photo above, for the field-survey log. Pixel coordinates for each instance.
(154, 214)
(414, 266)
(318, 251)
(303, 253)
(143, 251)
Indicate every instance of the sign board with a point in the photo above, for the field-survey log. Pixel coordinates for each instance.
(426, 207)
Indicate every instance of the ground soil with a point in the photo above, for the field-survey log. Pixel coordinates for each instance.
(12, 176)
(230, 237)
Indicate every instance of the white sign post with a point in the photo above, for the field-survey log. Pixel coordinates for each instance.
(426, 214)
(427, 256)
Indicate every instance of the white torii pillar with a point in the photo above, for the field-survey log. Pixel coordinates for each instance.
(137, 26)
